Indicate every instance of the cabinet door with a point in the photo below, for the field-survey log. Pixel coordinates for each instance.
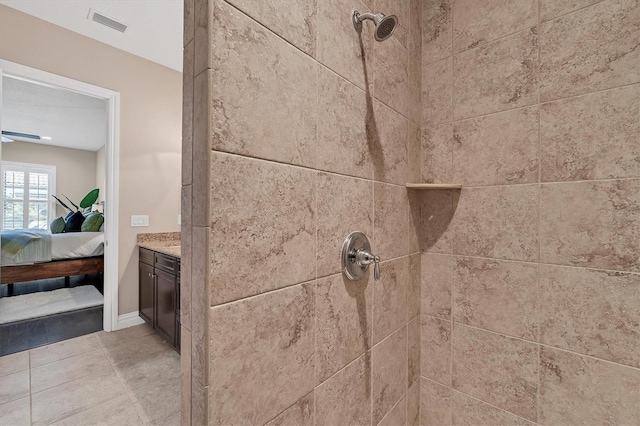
(146, 293)
(166, 305)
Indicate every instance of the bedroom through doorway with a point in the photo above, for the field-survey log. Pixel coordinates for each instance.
(55, 209)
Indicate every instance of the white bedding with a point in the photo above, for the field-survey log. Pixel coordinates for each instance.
(74, 245)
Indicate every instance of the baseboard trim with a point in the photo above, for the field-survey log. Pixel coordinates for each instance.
(129, 320)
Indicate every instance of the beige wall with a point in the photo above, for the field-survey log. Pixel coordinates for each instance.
(311, 140)
(530, 273)
(101, 173)
(150, 123)
(75, 168)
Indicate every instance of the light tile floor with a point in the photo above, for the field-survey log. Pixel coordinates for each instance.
(127, 377)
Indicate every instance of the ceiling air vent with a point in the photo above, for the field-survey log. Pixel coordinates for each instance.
(105, 20)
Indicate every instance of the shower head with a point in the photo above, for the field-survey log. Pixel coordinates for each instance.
(385, 25)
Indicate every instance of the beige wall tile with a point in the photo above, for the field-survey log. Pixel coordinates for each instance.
(591, 312)
(435, 404)
(413, 287)
(391, 216)
(497, 76)
(414, 153)
(186, 256)
(390, 298)
(343, 319)
(199, 323)
(187, 107)
(497, 149)
(185, 376)
(413, 404)
(496, 295)
(498, 222)
(435, 353)
(202, 36)
(264, 92)
(591, 137)
(413, 352)
(437, 154)
(397, 415)
(437, 279)
(390, 156)
(274, 334)
(201, 151)
(497, 369)
(346, 141)
(299, 414)
(295, 23)
(550, 9)
(476, 23)
(340, 47)
(437, 89)
(189, 21)
(438, 208)
(592, 49)
(346, 397)
(345, 205)
(437, 30)
(581, 390)
(415, 220)
(415, 31)
(391, 74)
(264, 212)
(468, 411)
(389, 369)
(16, 413)
(591, 224)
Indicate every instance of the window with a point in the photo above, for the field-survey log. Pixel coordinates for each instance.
(26, 195)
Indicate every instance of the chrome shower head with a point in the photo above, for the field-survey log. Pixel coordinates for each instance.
(385, 25)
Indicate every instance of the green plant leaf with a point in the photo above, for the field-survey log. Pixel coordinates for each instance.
(72, 203)
(61, 203)
(90, 198)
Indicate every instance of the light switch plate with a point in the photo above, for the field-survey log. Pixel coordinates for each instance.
(179, 219)
(139, 220)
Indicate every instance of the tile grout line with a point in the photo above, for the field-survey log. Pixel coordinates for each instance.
(531, 342)
(538, 292)
(532, 263)
(453, 233)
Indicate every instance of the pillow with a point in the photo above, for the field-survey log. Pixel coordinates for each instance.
(93, 222)
(57, 225)
(74, 222)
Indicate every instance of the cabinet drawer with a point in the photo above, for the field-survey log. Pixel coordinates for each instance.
(165, 263)
(146, 256)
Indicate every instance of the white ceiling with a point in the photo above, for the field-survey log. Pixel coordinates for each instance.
(70, 119)
(155, 26)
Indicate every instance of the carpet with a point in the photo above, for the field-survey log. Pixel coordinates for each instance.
(34, 305)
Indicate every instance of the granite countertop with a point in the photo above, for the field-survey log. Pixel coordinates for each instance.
(162, 242)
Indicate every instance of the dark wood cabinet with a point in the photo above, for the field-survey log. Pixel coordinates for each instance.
(146, 293)
(159, 294)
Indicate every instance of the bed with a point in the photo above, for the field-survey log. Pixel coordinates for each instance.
(48, 255)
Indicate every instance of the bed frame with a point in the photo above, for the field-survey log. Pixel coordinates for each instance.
(53, 269)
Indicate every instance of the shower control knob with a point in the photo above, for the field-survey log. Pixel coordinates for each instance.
(357, 256)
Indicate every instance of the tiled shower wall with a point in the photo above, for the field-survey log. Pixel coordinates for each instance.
(530, 274)
(297, 132)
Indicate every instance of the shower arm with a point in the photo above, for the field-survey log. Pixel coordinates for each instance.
(359, 17)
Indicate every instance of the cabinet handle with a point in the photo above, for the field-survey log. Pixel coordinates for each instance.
(149, 273)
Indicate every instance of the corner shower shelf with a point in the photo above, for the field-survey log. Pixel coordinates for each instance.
(433, 186)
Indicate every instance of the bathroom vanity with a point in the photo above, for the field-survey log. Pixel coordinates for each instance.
(159, 291)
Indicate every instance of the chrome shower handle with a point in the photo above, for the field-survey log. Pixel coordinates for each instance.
(366, 258)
